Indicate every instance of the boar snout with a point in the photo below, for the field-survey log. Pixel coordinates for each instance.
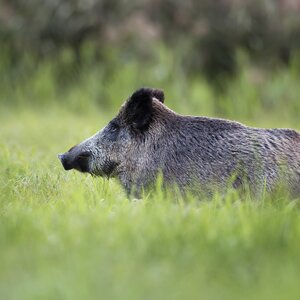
(64, 159)
(78, 161)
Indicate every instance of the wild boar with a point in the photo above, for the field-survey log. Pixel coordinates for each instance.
(146, 139)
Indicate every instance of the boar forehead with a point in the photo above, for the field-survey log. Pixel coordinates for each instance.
(111, 134)
(120, 118)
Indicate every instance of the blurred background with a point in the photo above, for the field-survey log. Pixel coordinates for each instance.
(66, 66)
(230, 58)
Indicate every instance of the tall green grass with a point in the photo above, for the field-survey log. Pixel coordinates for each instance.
(256, 95)
(65, 235)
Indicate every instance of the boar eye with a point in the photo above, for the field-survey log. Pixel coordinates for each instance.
(114, 126)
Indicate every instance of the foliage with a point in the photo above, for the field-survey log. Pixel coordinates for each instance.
(208, 33)
(252, 95)
(65, 235)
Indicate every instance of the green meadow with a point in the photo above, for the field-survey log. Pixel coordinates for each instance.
(66, 235)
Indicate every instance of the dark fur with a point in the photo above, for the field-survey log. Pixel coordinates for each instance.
(195, 153)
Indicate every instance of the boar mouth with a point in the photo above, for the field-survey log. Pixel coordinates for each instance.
(107, 169)
(82, 162)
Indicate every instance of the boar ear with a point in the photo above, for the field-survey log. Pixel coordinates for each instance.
(138, 111)
(158, 94)
(153, 93)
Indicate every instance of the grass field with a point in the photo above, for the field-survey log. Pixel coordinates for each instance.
(65, 235)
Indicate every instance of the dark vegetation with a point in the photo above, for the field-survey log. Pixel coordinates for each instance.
(206, 35)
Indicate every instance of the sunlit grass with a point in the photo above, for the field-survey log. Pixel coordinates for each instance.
(65, 235)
